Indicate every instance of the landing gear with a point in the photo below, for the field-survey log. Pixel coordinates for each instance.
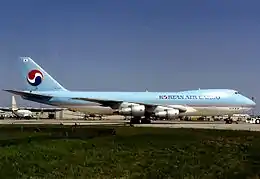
(146, 121)
(135, 120)
(230, 121)
(27, 117)
(139, 120)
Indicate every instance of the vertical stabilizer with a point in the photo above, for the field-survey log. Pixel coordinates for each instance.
(36, 78)
(14, 105)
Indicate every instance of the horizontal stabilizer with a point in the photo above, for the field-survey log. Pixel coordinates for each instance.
(29, 95)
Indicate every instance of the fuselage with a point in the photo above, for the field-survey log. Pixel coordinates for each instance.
(197, 102)
(22, 113)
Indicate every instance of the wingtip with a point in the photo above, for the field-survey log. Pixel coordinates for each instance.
(6, 90)
(12, 91)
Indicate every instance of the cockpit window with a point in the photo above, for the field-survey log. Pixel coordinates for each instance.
(237, 92)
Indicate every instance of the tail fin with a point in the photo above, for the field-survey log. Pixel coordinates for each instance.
(14, 105)
(36, 78)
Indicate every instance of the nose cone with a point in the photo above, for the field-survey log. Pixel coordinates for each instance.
(249, 102)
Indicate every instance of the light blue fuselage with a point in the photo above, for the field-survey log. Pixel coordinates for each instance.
(208, 97)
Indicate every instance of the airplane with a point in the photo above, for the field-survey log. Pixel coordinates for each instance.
(26, 112)
(141, 106)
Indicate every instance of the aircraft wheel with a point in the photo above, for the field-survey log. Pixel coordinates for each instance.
(229, 121)
(146, 121)
(135, 121)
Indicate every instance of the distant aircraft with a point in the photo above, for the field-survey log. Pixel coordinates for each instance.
(27, 112)
(142, 106)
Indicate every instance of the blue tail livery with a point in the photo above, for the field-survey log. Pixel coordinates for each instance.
(37, 79)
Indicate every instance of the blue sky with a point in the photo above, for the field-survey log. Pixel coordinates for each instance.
(133, 45)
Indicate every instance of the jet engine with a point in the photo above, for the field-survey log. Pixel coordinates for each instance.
(167, 113)
(134, 110)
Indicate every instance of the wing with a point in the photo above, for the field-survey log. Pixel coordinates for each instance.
(113, 103)
(110, 103)
(5, 109)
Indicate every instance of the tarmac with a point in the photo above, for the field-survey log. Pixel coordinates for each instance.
(209, 125)
(61, 122)
(161, 124)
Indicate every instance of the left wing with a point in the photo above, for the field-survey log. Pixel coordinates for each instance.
(103, 102)
(113, 103)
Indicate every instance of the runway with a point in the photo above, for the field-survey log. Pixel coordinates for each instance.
(62, 122)
(161, 124)
(212, 125)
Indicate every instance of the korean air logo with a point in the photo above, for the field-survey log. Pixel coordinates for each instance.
(35, 77)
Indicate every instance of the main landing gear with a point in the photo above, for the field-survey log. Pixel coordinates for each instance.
(230, 121)
(140, 120)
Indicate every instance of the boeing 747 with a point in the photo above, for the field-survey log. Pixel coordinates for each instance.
(141, 106)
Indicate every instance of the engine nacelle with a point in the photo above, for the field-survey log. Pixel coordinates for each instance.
(168, 113)
(127, 105)
(136, 110)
